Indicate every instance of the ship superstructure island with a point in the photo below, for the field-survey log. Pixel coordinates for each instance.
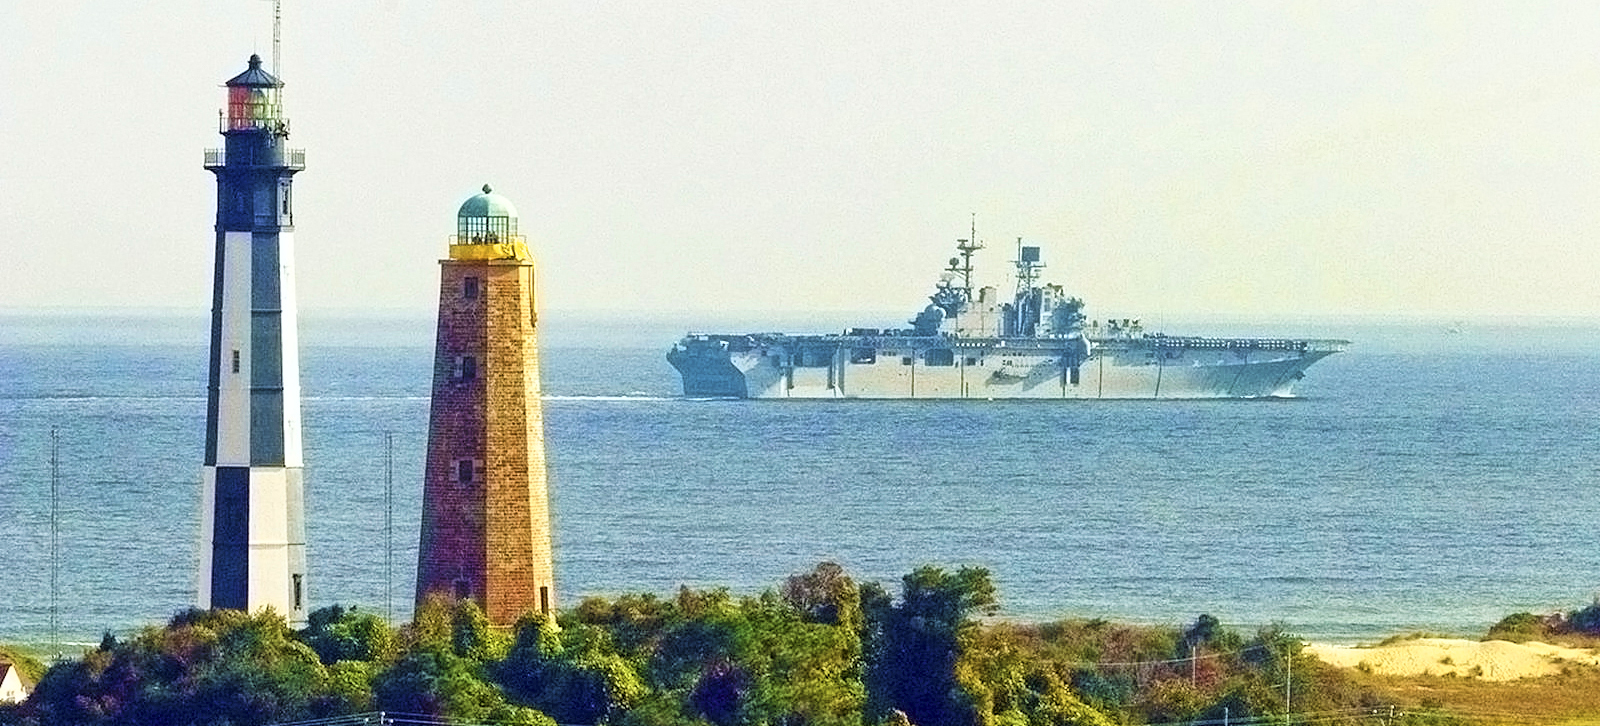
(970, 344)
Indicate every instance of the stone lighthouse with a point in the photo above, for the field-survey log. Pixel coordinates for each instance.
(252, 536)
(485, 510)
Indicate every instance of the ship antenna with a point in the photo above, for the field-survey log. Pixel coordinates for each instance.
(1027, 304)
(966, 247)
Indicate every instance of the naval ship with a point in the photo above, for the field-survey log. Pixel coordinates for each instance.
(970, 344)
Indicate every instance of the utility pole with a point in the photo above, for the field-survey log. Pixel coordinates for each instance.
(388, 520)
(1288, 680)
(55, 542)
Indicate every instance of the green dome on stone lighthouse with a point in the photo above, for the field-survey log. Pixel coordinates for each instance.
(487, 204)
(486, 218)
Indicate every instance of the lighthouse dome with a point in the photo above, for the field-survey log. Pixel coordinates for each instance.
(486, 218)
(487, 204)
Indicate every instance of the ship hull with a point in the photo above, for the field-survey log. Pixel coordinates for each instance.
(778, 366)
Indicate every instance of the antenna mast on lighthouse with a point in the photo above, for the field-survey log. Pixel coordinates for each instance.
(277, 38)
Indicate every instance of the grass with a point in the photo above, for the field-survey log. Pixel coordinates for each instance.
(1581, 641)
(1571, 698)
(1418, 635)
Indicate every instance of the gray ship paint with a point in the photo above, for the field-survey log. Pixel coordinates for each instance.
(968, 344)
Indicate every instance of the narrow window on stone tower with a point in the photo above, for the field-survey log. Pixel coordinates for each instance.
(235, 361)
(469, 288)
(469, 368)
(299, 592)
(464, 469)
(544, 600)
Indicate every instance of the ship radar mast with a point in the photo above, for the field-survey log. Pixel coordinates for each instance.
(963, 265)
(952, 296)
(1028, 301)
(1028, 267)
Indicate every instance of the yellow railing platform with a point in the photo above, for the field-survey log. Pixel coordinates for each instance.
(514, 248)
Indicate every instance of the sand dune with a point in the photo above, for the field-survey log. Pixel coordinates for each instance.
(1494, 660)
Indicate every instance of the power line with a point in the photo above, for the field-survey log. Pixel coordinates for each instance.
(1168, 661)
(385, 718)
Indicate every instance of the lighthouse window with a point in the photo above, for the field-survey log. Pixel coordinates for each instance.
(466, 368)
(299, 592)
(544, 600)
(469, 288)
(464, 469)
(235, 361)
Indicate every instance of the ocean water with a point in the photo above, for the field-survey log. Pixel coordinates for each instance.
(1428, 479)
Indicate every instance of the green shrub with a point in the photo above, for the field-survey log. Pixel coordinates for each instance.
(1519, 627)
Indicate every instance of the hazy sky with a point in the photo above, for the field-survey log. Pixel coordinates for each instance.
(1170, 158)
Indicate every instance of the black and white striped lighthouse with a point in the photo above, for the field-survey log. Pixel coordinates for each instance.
(252, 538)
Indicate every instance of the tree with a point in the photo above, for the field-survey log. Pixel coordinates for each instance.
(434, 682)
(1204, 631)
(633, 620)
(793, 671)
(472, 636)
(912, 655)
(1007, 682)
(576, 676)
(205, 667)
(705, 657)
(825, 595)
(948, 599)
(338, 634)
(1585, 620)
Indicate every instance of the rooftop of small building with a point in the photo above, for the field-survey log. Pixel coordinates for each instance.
(7, 668)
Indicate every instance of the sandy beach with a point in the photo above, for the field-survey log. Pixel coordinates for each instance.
(1494, 660)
